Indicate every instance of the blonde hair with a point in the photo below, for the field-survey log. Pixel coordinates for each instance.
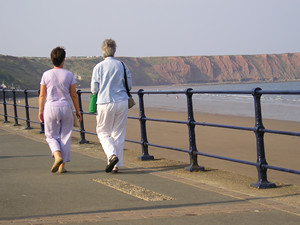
(108, 48)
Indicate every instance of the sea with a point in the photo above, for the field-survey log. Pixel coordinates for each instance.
(274, 106)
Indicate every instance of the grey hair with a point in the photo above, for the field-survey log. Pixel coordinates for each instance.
(108, 48)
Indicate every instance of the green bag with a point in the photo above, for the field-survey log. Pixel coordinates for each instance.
(93, 105)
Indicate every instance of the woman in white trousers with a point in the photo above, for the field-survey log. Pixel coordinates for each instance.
(57, 92)
(112, 104)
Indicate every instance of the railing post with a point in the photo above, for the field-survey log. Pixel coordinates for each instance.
(82, 131)
(42, 131)
(15, 108)
(144, 142)
(5, 107)
(27, 110)
(192, 140)
(261, 159)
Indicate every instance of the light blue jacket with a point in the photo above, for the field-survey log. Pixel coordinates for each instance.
(108, 81)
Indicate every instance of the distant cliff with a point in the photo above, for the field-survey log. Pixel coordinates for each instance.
(26, 72)
(215, 69)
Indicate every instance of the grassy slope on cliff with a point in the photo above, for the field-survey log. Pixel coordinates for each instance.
(22, 72)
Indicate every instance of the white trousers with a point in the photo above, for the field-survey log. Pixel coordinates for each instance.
(111, 128)
(58, 123)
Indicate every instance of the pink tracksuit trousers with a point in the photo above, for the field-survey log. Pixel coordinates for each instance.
(58, 121)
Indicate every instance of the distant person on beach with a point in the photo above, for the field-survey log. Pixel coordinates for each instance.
(112, 104)
(57, 92)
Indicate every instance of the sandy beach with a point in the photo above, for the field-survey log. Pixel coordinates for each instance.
(281, 150)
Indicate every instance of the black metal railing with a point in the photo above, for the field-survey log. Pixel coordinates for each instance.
(259, 129)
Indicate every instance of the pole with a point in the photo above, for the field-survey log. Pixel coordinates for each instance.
(262, 182)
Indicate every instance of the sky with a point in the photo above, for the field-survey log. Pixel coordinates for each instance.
(143, 28)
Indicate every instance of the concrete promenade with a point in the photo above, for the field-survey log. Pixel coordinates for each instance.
(156, 192)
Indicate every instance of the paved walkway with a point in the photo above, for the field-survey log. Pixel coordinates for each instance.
(31, 194)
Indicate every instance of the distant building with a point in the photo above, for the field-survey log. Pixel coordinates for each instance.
(77, 76)
(3, 85)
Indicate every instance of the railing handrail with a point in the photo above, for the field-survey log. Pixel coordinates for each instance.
(281, 92)
(259, 129)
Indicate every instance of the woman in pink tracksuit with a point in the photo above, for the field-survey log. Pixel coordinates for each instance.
(57, 92)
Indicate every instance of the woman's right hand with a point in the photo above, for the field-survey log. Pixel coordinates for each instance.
(41, 116)
(79, 117)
